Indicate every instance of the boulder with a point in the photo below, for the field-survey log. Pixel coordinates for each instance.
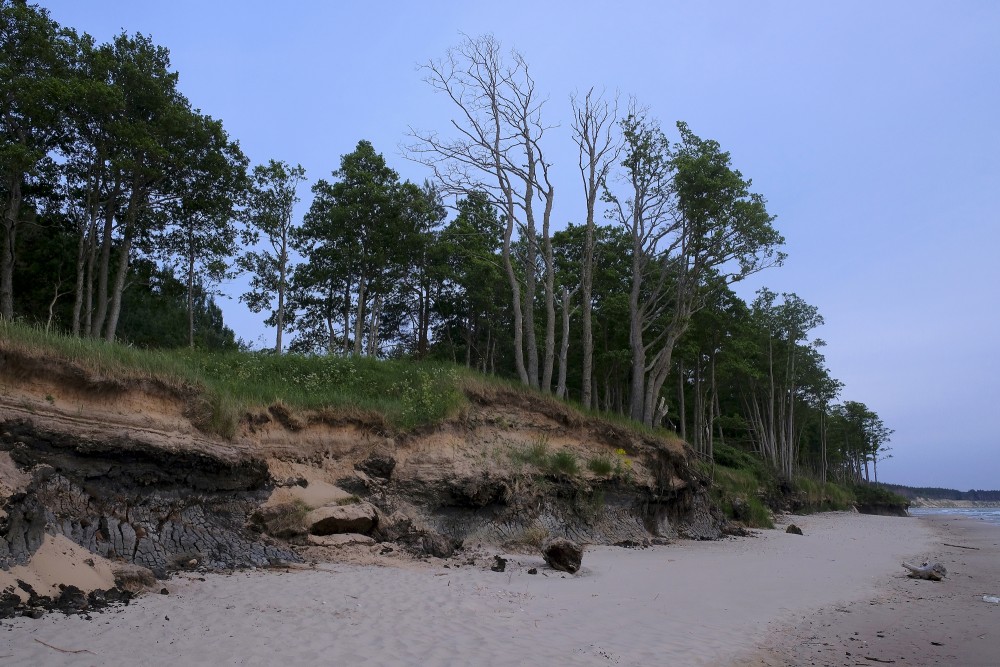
(562, 554)
(792, 528)
(356, 518)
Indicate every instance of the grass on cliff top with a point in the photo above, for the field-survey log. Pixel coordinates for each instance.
(402, 394)
(223, 387)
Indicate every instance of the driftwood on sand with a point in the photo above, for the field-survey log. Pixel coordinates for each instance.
(932, 571)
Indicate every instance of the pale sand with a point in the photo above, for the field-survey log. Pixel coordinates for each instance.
(59, 561)
(688, 603)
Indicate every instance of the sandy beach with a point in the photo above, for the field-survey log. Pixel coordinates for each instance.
(771, 599)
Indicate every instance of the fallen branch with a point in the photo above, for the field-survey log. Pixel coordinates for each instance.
(959, 546)
(868, 657)
(64, 650)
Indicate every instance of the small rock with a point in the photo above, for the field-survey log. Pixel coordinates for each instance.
(164, 591)
(533, 570)
(499, 564)
(792, 528)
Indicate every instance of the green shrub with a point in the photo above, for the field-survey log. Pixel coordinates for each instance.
(870, 494)
(564, 462)
(536, 454)
(601, 465)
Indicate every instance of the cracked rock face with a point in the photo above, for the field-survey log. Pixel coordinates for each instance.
(126, 500)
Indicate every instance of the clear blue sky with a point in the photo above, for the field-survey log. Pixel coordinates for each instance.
(871, 128)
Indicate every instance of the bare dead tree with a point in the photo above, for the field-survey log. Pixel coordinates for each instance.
(594, 125)
(496, 150)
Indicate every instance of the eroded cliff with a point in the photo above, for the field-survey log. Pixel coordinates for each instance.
(120, 468)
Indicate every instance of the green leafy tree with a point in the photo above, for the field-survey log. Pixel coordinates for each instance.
(354, 239)
(35, 57)
(202, 232)
(269, 216)
(472, 305)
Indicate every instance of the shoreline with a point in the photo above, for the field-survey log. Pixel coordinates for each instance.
(692, 603)
(908, 621)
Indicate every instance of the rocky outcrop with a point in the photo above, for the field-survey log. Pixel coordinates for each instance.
(126, 500)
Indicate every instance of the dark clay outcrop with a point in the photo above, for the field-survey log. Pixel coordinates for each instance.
(127, 500)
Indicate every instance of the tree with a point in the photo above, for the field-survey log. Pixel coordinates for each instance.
(358, 237)
(594, 121)
(472, 306)
(203, 229)
(424, 213)
(788, 362)
(35, 57)
(695, 227)
(497, 151)
(146, 135)
(269, 214)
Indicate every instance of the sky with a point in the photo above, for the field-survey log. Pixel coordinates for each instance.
(870, 127)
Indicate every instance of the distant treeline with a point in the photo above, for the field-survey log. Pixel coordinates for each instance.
(935, 493)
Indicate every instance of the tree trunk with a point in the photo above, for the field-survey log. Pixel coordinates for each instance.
(550, 288)
(359, 315)
(636, 345)
(681, 408)
(10, 223)
(115, 308)
(190, 291)
(282, 287)
(564, 345)
(104, 264)
(587, 335)
(515, 287)
(530, 287)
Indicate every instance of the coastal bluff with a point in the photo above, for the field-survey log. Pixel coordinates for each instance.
(121, 469)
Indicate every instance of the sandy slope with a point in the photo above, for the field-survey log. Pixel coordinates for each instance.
(687, 603)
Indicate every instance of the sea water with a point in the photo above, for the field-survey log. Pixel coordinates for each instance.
(990, 515)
